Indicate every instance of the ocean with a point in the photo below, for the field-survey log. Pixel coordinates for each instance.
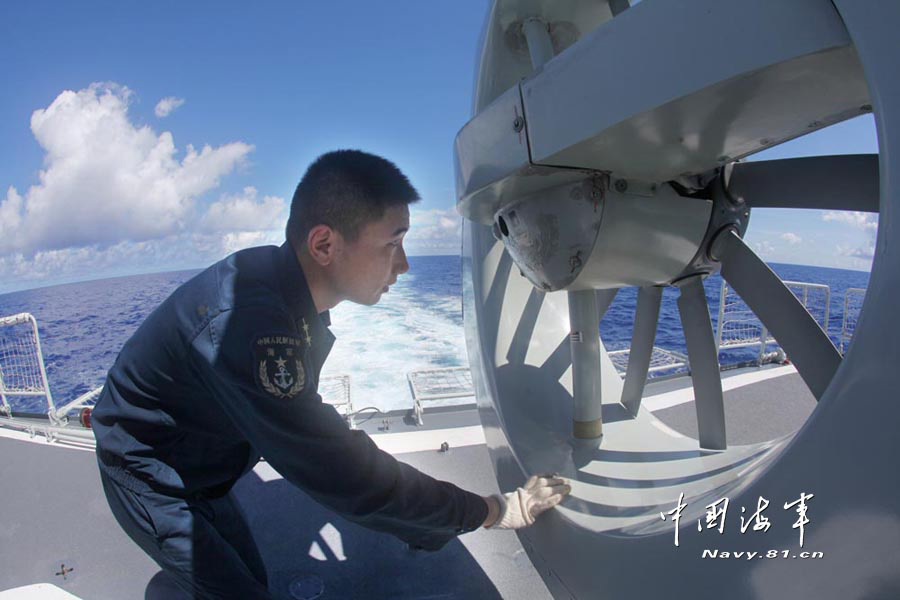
(417, 325)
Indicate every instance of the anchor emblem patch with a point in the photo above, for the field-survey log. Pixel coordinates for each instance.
(278, 365)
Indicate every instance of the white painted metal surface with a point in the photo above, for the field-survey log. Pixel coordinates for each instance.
(37, 591)
(662, 90)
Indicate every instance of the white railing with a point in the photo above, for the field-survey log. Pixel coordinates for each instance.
(22, 373)
(22, 370)
(853, 300)
(438, 384)
(86, 399)
(738, 327)
(335, 390)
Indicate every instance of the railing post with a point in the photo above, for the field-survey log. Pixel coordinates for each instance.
(723, 291)
(844, 335)
(5, 405)
(51, 408)
(764, 336)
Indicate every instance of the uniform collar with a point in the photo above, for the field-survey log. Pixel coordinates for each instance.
(296, 292)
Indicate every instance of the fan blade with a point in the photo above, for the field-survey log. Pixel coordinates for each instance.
(848, 182)
(780, 311)
(646, 317)
(704, 357)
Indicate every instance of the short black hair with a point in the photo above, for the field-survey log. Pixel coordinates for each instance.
(345, 190)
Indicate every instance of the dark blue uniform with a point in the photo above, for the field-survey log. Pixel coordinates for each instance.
(222, 372)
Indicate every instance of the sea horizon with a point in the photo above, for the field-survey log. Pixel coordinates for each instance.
(200, 268)
(417, 325)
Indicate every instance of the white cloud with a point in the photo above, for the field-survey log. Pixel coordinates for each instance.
(106, 180)
(165, 106)
(183, 250)
(791, 238)
(866, 252)
(865, 221)
(861, 220)
(243, 212)
(115, 198)
(232, 242)
(764, 249)
(434, 231)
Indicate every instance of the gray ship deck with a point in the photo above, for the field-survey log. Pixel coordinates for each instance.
(55, 512)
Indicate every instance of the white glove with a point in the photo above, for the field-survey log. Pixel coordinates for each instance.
(519, 508)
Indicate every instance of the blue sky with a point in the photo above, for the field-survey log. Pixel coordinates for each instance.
(155, 136)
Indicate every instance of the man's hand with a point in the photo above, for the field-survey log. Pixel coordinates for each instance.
(519, 508)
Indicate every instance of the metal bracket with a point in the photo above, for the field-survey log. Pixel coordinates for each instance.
(50, 435)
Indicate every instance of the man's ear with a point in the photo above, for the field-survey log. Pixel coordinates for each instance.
(323, 244)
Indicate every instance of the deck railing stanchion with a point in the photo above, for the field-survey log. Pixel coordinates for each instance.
(4, 408)
(847, 328)
(720, 320)
(745, 324)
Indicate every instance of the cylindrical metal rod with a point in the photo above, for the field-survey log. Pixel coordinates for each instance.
(763, 336)
(540, 46)
(584, 325)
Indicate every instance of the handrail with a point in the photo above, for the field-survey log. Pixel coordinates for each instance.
(79, 402)
(44, 389)
(848, 327)
(30, 358)
(752, 323)
(335, 390)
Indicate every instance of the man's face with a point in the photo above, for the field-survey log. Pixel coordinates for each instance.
(373, 262)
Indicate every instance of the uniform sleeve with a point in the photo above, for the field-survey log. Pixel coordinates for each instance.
(254, 362)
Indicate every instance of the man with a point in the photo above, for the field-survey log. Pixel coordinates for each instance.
(226, 370)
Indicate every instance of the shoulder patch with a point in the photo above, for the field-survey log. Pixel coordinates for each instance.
(278, 365)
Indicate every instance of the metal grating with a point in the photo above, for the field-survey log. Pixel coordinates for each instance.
(660, 360)
(20, 370)
(436, 384)
(335, 390)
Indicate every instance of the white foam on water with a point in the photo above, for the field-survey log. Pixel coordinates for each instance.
(378, 345)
